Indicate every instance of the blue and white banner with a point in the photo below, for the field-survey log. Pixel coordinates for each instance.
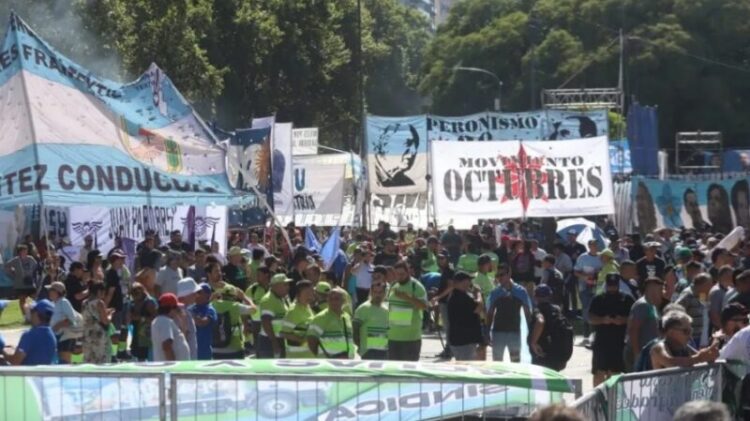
(69, 137)
(529, 125)
(619, 157)
(397, 146)
(721, 204)
(397, 154)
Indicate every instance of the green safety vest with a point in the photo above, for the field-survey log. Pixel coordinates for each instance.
(271, 305)
(235, 322)
(334, 333)
(373, 322)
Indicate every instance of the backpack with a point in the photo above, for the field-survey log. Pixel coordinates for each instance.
(222, 331)
(560, 336)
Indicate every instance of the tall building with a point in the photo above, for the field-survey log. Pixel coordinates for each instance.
(425, 6)
(442, 7)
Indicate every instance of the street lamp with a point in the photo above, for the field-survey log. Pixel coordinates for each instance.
(486, 72)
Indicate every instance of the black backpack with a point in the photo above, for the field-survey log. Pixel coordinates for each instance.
(559, 336)
(222, 332)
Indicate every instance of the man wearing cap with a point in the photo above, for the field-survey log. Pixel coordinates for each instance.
(587, 270)
(273, 307)
(572, 247)
(115, 299)
(738, 347)
(297, 321)
(205, 318)
(465, 313)
(235, 271)
(650, 265)
(38, 345)
(407, 300)
(75, 287)
(66, 323)
(609, 265)
(228, 339)
(371, 320)
(186, 292)
(168, 340)
(330, 334)
(643, 322)
(609, 316)
(540, 334)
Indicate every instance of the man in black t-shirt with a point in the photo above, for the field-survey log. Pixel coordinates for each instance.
(76, 289)
(608, 314)
(115, 300)
(650, 265)
(445, 287)
(389, 255)
(464, 310)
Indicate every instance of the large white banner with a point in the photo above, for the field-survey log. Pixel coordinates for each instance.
(513, 179)
(318, 188)
(281, 164)
(132, 222)
(305, 141)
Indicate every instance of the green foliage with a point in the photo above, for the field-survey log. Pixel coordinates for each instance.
(237, 59)
(540, 44)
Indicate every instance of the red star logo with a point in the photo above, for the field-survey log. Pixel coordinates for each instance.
(520, 169)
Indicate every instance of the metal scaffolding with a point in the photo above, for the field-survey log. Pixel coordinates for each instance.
(583, 99)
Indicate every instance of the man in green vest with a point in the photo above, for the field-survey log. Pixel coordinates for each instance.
(407, 300)
(273, 307)
(330, 332)
(429, 263)
(297, 321)
(256, 292)
(228, 335)
(371, 322)
(321, 298)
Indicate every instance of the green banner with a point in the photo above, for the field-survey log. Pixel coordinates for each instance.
(282, 389)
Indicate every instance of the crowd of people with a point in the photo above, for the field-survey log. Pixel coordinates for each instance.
(671, 298)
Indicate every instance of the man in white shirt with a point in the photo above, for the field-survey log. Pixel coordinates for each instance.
(169, 343)
(254, 244)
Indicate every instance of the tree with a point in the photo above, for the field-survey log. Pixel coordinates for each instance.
(235, 60)
(689, 57)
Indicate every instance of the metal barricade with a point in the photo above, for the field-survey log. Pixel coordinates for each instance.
(33, 395)
(253, 397)
(594, 404)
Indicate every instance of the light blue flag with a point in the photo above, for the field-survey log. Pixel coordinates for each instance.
(330, 249)
(311, 241)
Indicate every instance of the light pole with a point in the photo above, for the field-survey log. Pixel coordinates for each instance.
(486, 72)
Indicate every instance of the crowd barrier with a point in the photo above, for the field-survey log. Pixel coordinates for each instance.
(657, 394)
(69, 394)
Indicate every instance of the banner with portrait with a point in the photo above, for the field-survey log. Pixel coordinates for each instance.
(719, 204)
(512, 179)
(529, 125)
(397, 154)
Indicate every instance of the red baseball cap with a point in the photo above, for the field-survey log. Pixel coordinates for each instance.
(168, 300)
